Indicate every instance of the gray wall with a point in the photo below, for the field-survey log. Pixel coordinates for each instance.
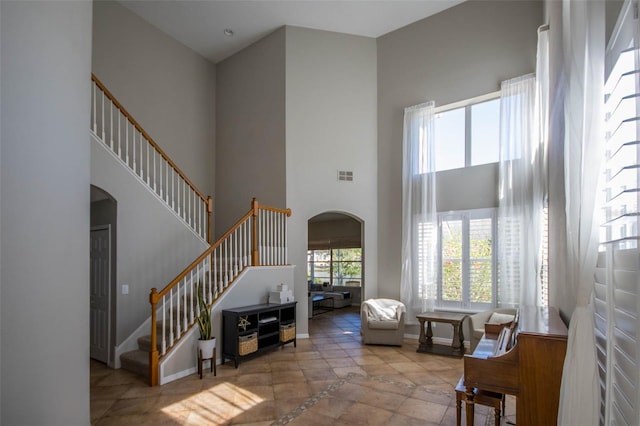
(168, 88)
(463, 52)
(331, 125)
(250, 147)
(153, 245)
(44, 281)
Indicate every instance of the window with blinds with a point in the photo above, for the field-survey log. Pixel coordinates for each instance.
(616, 295)
(467, 264)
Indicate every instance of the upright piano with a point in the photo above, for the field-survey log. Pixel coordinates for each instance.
(530, 367)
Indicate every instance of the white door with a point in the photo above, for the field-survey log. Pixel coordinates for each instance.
(100, 292)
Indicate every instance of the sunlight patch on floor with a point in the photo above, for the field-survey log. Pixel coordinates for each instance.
(218, 404)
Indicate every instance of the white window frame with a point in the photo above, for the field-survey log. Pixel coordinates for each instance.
(467, 104)
(466, 215)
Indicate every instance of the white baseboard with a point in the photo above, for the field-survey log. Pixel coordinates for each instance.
(178, 375)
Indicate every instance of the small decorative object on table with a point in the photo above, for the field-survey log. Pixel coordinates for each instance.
(281, 294)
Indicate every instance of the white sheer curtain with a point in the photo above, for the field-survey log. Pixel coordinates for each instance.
(524, 124)
(583, 52)
(518, 210)
(419, 214)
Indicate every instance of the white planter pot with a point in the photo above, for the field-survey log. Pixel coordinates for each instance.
(206, 346)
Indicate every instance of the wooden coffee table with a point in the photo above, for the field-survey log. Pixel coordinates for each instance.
(426, 340)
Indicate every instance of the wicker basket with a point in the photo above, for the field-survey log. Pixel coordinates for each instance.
(247, 344)
(287, 332)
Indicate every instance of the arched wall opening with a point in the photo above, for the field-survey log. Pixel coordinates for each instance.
(104, 215)
(335, 256)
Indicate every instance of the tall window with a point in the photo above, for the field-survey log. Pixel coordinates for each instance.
(340, 267)
(466, 261)
(467, 135)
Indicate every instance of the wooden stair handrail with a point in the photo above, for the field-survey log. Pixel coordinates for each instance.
(200, 258)
(208, 251)
(148, 138)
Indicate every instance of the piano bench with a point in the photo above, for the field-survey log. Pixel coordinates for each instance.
(482, 397)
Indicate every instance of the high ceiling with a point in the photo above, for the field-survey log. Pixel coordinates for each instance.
(201, 24)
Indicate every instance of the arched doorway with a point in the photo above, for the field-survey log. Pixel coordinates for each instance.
(335, 256)
(102, 283)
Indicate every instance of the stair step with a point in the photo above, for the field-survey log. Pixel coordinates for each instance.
(136, 361)
(144, 343)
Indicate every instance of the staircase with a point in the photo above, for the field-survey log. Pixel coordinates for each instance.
(257, 239)
(137, 361)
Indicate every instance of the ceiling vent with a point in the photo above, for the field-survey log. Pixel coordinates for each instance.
(345, 176)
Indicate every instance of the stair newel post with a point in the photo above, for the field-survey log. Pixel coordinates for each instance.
(209, 212)
(153, 354)
(254, 233)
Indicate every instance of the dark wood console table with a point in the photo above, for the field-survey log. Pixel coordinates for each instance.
(248, 331)
(457, 348)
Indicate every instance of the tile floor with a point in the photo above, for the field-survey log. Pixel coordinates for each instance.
(329, 379)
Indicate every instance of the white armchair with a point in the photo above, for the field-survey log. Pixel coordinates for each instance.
(493, 316)
(382, 322)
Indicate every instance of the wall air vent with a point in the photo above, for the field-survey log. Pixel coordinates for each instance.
(345, 176)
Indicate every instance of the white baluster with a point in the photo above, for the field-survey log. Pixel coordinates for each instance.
(171, 318)
(226, 262)
(119, 135)
(268, 236)
(196, 210)
(279, 247)
(190, 197)
(148, 167)
(236, 258)
(111, 124)
(259, 237)
(141, 158)
(102, 111)
(241, 246)
(165, 181)
(173, 190)
(161, 181)
(274, 244)
(180, 198)
(247, 243)
(190, 317)
(189, 205)
(178, 320)
(284, 238)
(220, 267)
(155, 175)
(285, 243)
(133, 147)
(265, 237)
(209, 259)
(95, 127)
(164, 324)
(185, 197)
(126, 147)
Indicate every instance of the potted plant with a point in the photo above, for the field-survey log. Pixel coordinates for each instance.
(207, 342)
